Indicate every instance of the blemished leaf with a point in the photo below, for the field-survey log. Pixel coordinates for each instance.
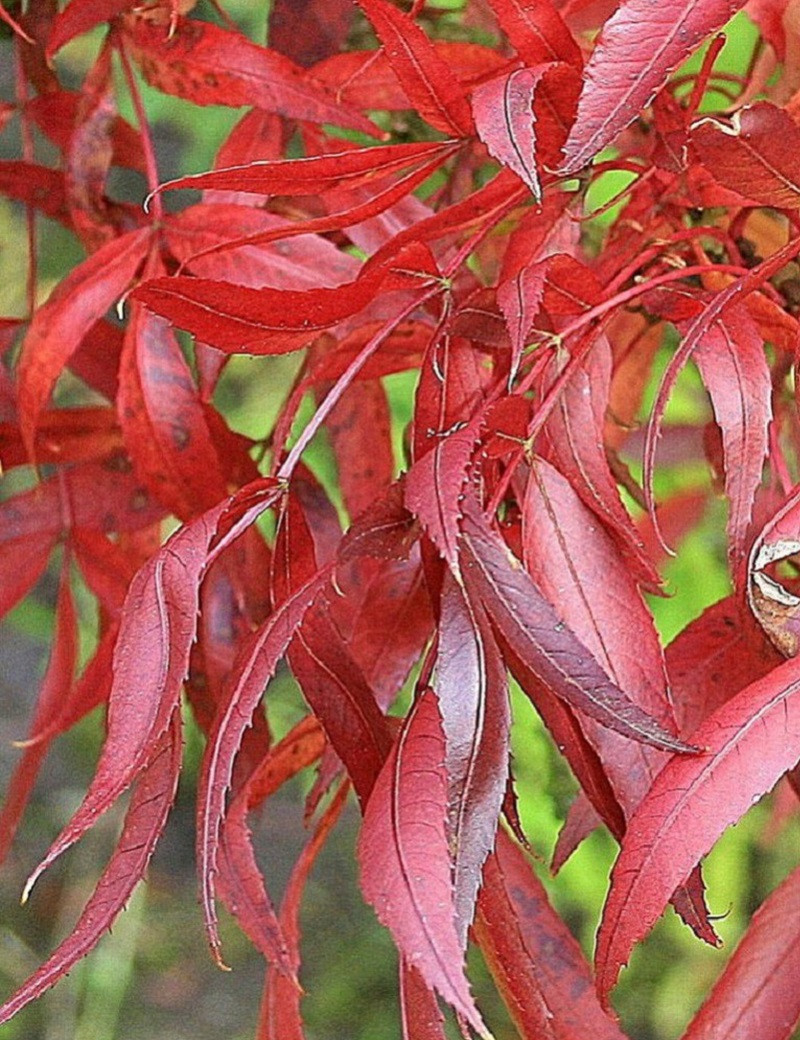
(209, 65)
(436, 490)
(747, 745)
(639, 46)
(756, 990)
(162, 419)
(538, 966)
(405, 861)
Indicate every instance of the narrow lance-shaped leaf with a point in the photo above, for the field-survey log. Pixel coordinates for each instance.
(426, 78)
(747, 745)
(60, 324)
(639, 46)
(163, 421)
(405, 862)
(472, 691)
(256, 664)
(503, 110)
(280, 1017)
(53, 692)
(238, 319)
(536, 31)
(533, 632)
(143, 825)
(209, 65)
(312, 174)
(419, 1010)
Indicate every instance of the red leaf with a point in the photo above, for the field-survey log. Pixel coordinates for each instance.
(730, 356)
(22, 563)
(88, 156)
(519, 297)
(151, 658)
(533, 630)
(79, 16)
(238, 319)
(144, 822)
(472, 691)
(748, 744)
(639, 46)
(756, 994)
(60, 324)
(433, 488)
(163, 421)
(575, 439)
(504, 117)
(212, 66)
(359, 428)
(536, 31)
(313, 174)
(419, 1010)
(405, 863)
(756, 156)
(36, 186)
(325, 27)
(577, 567)
(256, 663)
(537, 965)
(426, 78)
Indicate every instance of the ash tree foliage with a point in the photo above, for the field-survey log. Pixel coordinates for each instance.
(393, 200)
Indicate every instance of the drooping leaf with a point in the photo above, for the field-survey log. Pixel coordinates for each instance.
(472, 692)
(280, 1010)
(405, 862)
(533, 632)
(256, 663)
(158, 625)
(53, 692)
